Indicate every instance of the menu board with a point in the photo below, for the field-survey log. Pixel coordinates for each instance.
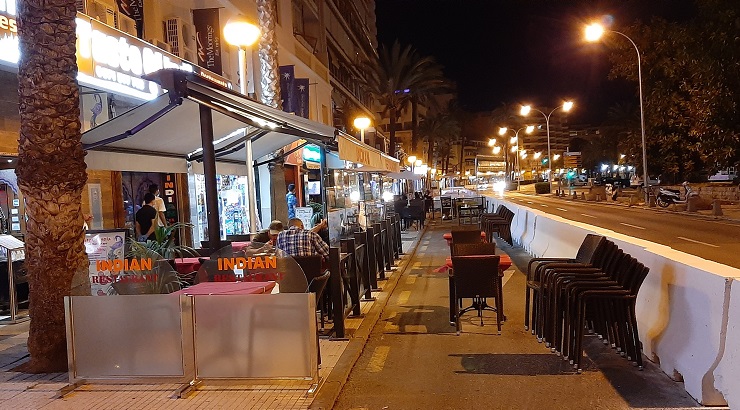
(103, 248)
(304, 213)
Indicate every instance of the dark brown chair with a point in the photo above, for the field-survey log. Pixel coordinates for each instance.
(477, 278)
(312, 268)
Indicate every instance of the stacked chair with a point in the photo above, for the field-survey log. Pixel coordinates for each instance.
(498, 222)
(596, 290)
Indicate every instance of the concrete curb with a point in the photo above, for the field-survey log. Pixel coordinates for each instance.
(331, 388)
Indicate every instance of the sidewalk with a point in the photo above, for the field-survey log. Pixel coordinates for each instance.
(29, 391)
(414, 360)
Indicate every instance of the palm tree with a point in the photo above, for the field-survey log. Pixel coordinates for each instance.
(51, 172)
(437, 130)
(395, 76)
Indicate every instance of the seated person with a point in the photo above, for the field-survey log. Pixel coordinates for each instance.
(297, 241)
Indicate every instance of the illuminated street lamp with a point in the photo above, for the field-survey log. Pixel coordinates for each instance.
(411, 159)
(526, 109)
(241, 33)
(496, 150)
(492, 141)
(515, 140)
(594, 32)
(362, 123)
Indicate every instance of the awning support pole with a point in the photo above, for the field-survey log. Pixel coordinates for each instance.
(324, 180)
(209, 172)
(252, 187)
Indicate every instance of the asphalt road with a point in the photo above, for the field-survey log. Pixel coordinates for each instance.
(716, 240)
(414, 360)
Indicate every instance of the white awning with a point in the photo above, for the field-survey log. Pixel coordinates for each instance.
(371, 159)
(163, 134)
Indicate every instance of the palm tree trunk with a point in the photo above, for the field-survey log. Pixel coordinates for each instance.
(415, 124)
(51, 173)
(392, 132)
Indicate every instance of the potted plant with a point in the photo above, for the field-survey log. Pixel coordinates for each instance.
(159, 275)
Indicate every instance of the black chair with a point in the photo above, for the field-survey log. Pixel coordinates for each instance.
(585, 255)
(20, 279)
(415, 213)
(314, 271)
(445, 204)
(465, 236)
(477, 277)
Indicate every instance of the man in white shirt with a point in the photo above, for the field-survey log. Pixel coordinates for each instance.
(158, 205)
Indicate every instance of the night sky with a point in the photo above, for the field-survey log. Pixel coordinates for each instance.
(516, 51)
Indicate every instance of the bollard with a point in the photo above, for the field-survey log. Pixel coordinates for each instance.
(691, 203)
(583, 196)
(562, 194)
(575, 195)
(557, 192)
(716, 208)
(598, 197)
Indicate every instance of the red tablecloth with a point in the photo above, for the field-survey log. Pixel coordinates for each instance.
(448, 237)
(228, 288)
(503, 264)
(237, 246)
(187, 265)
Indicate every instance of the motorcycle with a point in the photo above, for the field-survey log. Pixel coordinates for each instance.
(668, 197)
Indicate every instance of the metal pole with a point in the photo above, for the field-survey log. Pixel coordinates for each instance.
(646, 182)
(549, 158)
(252, 187)
(324, 180)
(209, 172)
(251, 183)
(11, 287)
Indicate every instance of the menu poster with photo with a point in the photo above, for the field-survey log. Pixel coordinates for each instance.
(103, 246)
(304, 213)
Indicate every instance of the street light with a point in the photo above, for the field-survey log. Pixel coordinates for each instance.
(362, 123)
(526, 109)
(594, 32)
(241, 33)
(515, 140)
(492, 142)
(411, 159)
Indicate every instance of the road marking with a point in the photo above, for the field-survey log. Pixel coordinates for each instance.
(423, 249)
(631, 226)
(561, 209)
(403, 298)
(544, 205)
(417, 264)
(590, 216)
(411, 280)
(701, 243)
(529, 202)
(390, 327)
(377, 360)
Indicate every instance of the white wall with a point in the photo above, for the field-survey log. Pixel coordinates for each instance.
(688, 308)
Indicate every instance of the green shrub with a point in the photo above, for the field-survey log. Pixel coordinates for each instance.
(542, 187)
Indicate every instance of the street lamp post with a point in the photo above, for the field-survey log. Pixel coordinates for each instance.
(566, 106)
(593, 33)
(362, 123)
(519, 143)
(239, 32)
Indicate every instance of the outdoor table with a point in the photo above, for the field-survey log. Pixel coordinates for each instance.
(227, 288)
(448, 237)
(187, 265)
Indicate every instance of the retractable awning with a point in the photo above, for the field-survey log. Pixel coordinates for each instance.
(168, 128)
(371, 159)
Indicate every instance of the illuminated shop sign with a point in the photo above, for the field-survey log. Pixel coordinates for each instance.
(8, 32)
(312, 153)
(113, 60)
(107, 59)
